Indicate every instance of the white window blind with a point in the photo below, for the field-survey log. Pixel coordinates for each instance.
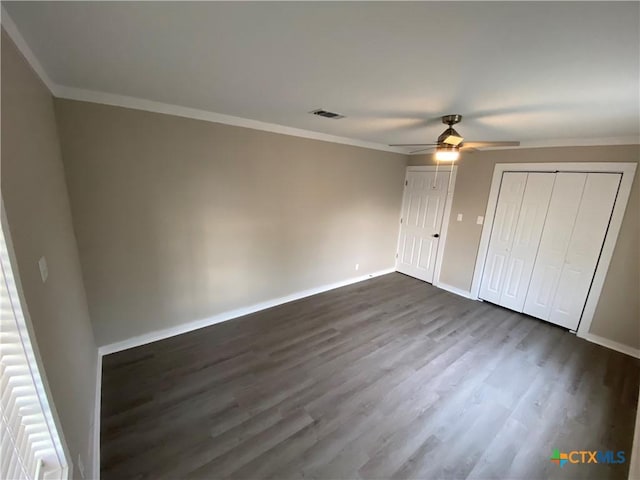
(30, 447)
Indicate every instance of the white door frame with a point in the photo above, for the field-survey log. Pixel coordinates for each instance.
(452, 170)
(627, 169)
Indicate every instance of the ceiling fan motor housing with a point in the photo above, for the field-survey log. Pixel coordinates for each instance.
(451, 119)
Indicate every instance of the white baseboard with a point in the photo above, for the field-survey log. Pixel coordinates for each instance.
(456, 290)
(96, 421)
(229, 315)
(605, 342)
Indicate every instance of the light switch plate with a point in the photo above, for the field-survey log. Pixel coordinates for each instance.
(480, 220)
(459, 218)
(44, 270)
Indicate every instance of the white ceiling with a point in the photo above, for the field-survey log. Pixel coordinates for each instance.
(543, 73)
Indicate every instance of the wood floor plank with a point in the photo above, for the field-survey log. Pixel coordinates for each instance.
(388, 378)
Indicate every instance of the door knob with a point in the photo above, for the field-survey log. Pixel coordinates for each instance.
(435, 235)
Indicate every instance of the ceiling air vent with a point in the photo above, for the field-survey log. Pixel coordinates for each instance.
(323, 113)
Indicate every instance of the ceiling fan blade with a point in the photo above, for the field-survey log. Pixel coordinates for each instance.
(429, 149)
(472, 144)
(413, 144)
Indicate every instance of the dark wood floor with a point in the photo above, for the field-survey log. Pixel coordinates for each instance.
(389, 378)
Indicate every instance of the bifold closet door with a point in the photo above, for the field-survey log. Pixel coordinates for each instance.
(577, 223)
(504, 227)
(526, 239)
(520, 215)
(563, 210)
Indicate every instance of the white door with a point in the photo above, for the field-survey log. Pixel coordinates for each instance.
(504, 227)
(533, 211)
(423, 205)
(589, 230)
(563, 209)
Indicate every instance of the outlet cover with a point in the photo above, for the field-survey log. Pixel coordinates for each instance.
(459, 218)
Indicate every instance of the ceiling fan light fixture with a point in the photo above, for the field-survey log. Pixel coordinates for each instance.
(453, 140)
(446, 153)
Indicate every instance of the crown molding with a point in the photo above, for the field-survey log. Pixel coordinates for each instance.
(72, 93)
(581, 142)
(563, 142)
(12, 30)
(105, 98)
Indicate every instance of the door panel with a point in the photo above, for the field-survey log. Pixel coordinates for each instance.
(425, 255)
(533, 211)
(512, 282)
(583, 251)
(502, 234)
(423, 207)
(407, 249)
(497, 266)
(558, 227)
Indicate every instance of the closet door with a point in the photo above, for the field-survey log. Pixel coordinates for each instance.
(583, 252)
(504, 227)
(563, 210)
(531, 219)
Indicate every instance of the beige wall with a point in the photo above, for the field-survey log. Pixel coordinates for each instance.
(179, 219)
(37, 207)
(617, 316)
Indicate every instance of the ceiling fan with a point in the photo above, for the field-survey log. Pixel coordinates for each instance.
(450, 142)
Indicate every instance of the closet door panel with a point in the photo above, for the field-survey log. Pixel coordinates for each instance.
(556, 235)
(583, 251)
(533, 211)
(502, 234)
